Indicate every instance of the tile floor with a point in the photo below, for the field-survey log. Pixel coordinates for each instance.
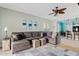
(46, 50)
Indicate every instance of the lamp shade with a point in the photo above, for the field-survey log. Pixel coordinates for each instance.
(5, 29)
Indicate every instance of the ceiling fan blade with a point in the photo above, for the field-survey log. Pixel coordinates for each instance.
(53, 10)
(78, 3)
(50, 13)
(62, 9)
(61, 12)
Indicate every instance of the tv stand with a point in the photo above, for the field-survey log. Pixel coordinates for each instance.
(76, 35)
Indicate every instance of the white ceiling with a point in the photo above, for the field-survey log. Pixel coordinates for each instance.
(43, 9)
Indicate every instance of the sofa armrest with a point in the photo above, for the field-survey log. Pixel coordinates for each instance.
(52, 40)
(20, 45)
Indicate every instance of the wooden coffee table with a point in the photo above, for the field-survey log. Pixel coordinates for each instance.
(43, 41)
(35, 43)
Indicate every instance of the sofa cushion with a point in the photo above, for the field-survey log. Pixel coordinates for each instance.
(21, 35)
(44, 34)
(28, 34)
(18, 36)
(20, 42)
(35, 34)
(14, 37)
(49, 34)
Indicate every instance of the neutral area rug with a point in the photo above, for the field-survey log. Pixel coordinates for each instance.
(45, 50)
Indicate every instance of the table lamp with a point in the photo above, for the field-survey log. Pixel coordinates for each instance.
(5, 30)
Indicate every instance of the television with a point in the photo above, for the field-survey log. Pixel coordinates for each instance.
(75, 28)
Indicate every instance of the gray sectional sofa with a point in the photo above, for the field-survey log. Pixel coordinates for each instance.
(23, 40)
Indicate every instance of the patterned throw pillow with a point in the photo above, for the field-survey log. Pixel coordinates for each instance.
(14, 37)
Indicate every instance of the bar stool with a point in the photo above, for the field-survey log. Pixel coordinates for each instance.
(76, 35)
(69, 35)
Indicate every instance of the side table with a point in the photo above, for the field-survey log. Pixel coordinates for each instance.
(6, 44)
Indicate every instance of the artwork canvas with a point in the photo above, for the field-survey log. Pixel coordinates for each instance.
(29, 24)
(24, 24)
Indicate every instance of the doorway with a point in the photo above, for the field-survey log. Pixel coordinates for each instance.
(62, 28)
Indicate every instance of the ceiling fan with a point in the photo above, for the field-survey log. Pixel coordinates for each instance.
(78, 3)
(57, 11)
